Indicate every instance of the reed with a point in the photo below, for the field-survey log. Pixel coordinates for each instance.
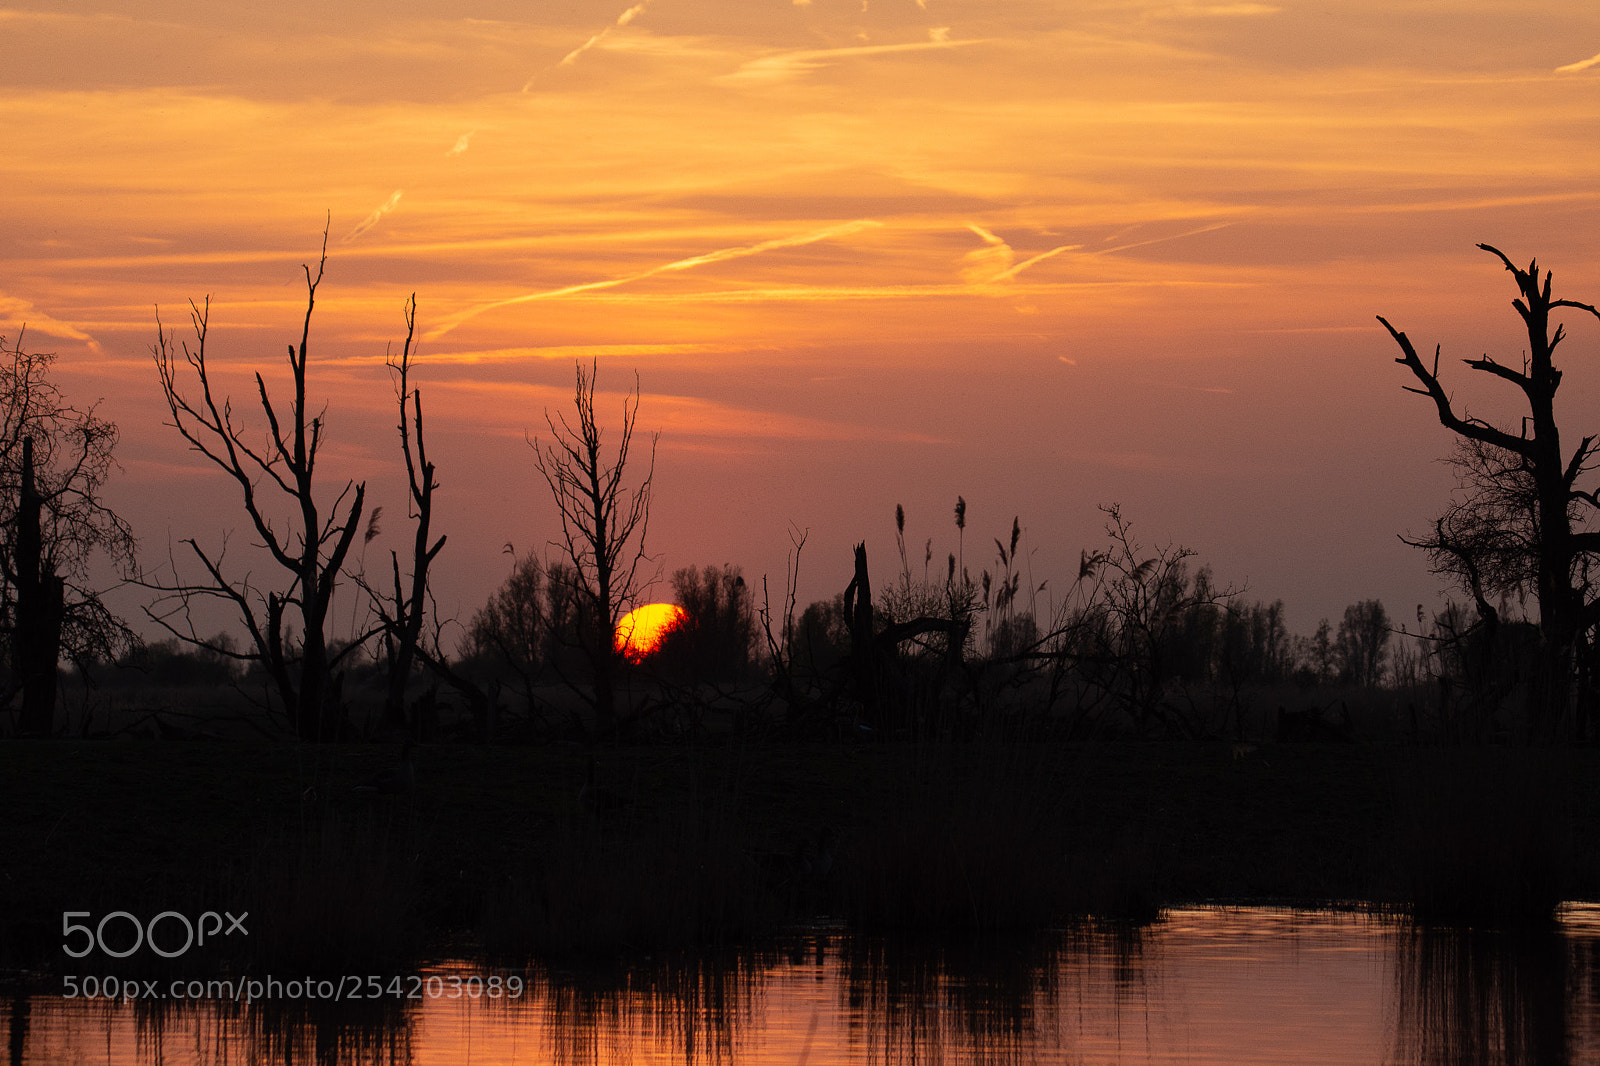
(724, 843)
(682, 881)
(1485, 837)
(980, 841)
(347, 893)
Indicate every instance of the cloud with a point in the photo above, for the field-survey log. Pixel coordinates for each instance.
(30, 319)
(1584, 64)
(461, 144)
(718, 256)
(679, 416)
(11, 15)
(986, 265)
(548, 352)
(372, 219)
(1160, 240)
(939, 34)
(1207, 11)
(622, 20)
(994, 263)
(783, 65)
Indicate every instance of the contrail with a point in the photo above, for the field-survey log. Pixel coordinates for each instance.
(372, 219)
(995, 262)
(1158, 240)
(718, 256)
(1583, 64)
(622, 20)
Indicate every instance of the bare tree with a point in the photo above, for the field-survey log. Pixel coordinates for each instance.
(310, 548)
(402, 612)
(603, 526)
(1529, 474)
(1131, 624)
(54, 462)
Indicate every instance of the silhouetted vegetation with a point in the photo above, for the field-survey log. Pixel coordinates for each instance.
(403, 611)
(1521, 526)
(54, 462)
(717, 639)
(603, 526)
(310, 552)
(944, 745)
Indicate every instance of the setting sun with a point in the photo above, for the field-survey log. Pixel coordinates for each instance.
(641, 630)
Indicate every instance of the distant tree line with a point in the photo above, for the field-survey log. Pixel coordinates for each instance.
(1142, 641)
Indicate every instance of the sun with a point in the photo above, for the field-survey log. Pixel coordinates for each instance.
(641, 629)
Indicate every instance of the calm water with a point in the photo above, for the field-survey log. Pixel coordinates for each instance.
(1204, 985)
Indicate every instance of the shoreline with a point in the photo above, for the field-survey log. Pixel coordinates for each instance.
(723, 843)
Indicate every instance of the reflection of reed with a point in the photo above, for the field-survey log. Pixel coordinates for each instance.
(1486, 837)
(691, 1009)
(1583, 992)
(1465, 997)
(914, 1003)
(17, 1025)
(328, 1033)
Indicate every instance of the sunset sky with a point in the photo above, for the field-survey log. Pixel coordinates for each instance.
(859, 252)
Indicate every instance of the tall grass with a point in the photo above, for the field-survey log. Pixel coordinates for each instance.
(346, 893)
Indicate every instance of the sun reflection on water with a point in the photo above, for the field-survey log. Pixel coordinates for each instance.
(1201, 985)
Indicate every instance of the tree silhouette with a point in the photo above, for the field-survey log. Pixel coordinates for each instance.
(518, 628)
(603, 525)
(1529, 469)
(1363, 639)
(402, 612)
(54, 462)
(310, 549)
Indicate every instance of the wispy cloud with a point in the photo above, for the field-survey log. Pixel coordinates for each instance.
(548, 352)
(718, 256)
(1161, 240)
(1202, 11)
(372, 219)
(12, 15)
(783, 65)
(461, 144)
(1583, 64)
(995, 262)
(572, 57)
(687, 416)
(30, 318)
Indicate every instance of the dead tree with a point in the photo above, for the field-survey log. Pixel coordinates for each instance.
(603, 526)
(310, 548)
(402, 612)
(858, 612)
(54, 527)
(40, 596)
(1557, 545)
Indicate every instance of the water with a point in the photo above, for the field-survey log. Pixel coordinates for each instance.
(1203, 985)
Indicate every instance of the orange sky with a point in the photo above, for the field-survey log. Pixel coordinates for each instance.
(859, 252)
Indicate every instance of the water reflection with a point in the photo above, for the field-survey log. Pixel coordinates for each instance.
(691, 1009)
(1202, 985)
